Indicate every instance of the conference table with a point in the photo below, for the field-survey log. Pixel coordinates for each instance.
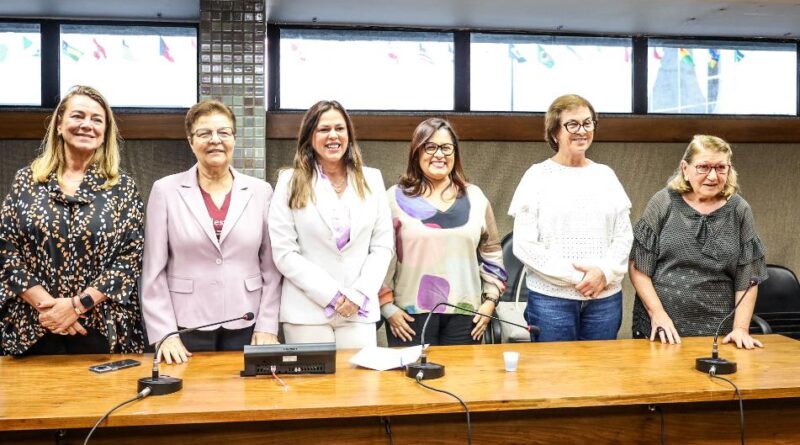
(577, 392)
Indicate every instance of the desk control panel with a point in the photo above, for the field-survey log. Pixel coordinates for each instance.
(301, 358)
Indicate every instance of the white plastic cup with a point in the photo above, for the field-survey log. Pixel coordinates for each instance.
(511, 360)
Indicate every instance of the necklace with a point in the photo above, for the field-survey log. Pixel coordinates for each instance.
(338, 188)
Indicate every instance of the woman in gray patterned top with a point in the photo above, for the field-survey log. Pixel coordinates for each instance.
(694, 249)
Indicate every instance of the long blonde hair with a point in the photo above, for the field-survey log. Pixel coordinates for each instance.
(52, 157)
(714, 144)
(305, 158)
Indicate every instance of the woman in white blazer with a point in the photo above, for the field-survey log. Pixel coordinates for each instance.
(207, 255)
(331, 234)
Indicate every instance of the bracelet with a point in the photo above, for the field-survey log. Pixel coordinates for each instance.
(494, 300)
(75, 306)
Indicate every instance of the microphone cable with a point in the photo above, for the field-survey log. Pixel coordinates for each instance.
(387, 425)
(140, 395)
(657, 408)
(466, 410)
(712, 373)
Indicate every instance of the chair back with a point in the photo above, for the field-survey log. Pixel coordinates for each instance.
(513, 266)
(778, 302)
(780, 292)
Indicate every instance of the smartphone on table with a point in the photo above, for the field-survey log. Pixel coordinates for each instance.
(114, 366)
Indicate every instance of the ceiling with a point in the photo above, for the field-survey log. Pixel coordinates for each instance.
(735, 18)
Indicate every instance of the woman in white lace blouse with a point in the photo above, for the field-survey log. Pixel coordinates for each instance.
(572, 231)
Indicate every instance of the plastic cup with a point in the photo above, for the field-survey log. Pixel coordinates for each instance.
(511, 360)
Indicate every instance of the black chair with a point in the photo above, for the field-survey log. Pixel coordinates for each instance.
(778, 303)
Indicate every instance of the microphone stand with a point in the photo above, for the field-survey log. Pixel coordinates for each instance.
(425, 370)
(163, 385)
(714, 364)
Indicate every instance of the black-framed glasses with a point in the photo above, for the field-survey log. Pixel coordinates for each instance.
(574, 126)
(704, 169)
(205, 134)
(432, 147)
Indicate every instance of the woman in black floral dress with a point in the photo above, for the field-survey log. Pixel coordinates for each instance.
(71, 241)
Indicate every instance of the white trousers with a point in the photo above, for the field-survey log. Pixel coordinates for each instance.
(345, 333)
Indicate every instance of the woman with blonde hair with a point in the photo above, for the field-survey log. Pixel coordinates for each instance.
(331, 233)
(71, 240)
(695, 251)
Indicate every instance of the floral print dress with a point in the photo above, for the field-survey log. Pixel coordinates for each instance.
(66, 244)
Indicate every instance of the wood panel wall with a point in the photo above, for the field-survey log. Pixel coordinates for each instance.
(471, 127)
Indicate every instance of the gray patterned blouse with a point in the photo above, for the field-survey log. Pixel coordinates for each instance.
(696, 261)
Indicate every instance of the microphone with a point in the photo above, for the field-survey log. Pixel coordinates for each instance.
(425, 370)
(715, 365)
(162, 385)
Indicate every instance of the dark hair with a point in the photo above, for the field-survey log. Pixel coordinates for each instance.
(204, 108)
(552, 120)
(305, 158)
(414, 182)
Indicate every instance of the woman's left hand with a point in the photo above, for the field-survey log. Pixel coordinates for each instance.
(487, 308)
(593, 282)
(346, 308)
(742, 339)
(57, 314)
(263, 338)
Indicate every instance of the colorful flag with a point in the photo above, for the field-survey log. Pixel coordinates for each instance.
(127, 54)
(713, 58)
(423, 55)
(3, 52)
(573, 51)
(164, 49)
(26, 42)
(70, 51)
(738, 56)
(685, 56)
(99, 50)
(513, 52)
(296, 50)
(545, 58)
(656, 54)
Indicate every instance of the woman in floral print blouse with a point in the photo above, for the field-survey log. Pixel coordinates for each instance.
(71, 241)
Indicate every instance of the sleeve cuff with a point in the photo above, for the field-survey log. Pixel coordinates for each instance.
(389, 309)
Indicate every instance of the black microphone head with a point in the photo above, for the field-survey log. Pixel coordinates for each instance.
(248, 316)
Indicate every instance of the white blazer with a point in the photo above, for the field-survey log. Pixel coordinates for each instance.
(189, 278)
(314, 269)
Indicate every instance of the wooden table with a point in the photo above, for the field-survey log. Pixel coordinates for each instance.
(580, 392)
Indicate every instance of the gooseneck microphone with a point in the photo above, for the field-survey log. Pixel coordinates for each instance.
(162, 385)
(425, 370)
(714, 363)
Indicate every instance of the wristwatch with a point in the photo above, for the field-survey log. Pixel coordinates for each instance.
(87, 302)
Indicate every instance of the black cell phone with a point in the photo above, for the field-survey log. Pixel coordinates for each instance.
(114, 366)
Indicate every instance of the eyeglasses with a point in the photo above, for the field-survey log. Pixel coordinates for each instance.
(432, 147)
(205, 134)
(704, 169)
(574, 126)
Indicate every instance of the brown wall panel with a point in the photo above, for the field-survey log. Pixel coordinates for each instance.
(471, 127)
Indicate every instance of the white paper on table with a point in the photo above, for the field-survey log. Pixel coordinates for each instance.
(381, 359)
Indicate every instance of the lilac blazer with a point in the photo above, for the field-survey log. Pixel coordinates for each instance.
(188, 277)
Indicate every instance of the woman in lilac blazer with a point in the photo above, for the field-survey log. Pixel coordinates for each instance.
(207, 250)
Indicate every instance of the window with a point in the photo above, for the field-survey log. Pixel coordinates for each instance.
(368, 70)
(525, 73)
(721, 77)
(133, 66)
(20, 64)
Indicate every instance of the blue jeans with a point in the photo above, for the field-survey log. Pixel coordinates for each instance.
(569, 320)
